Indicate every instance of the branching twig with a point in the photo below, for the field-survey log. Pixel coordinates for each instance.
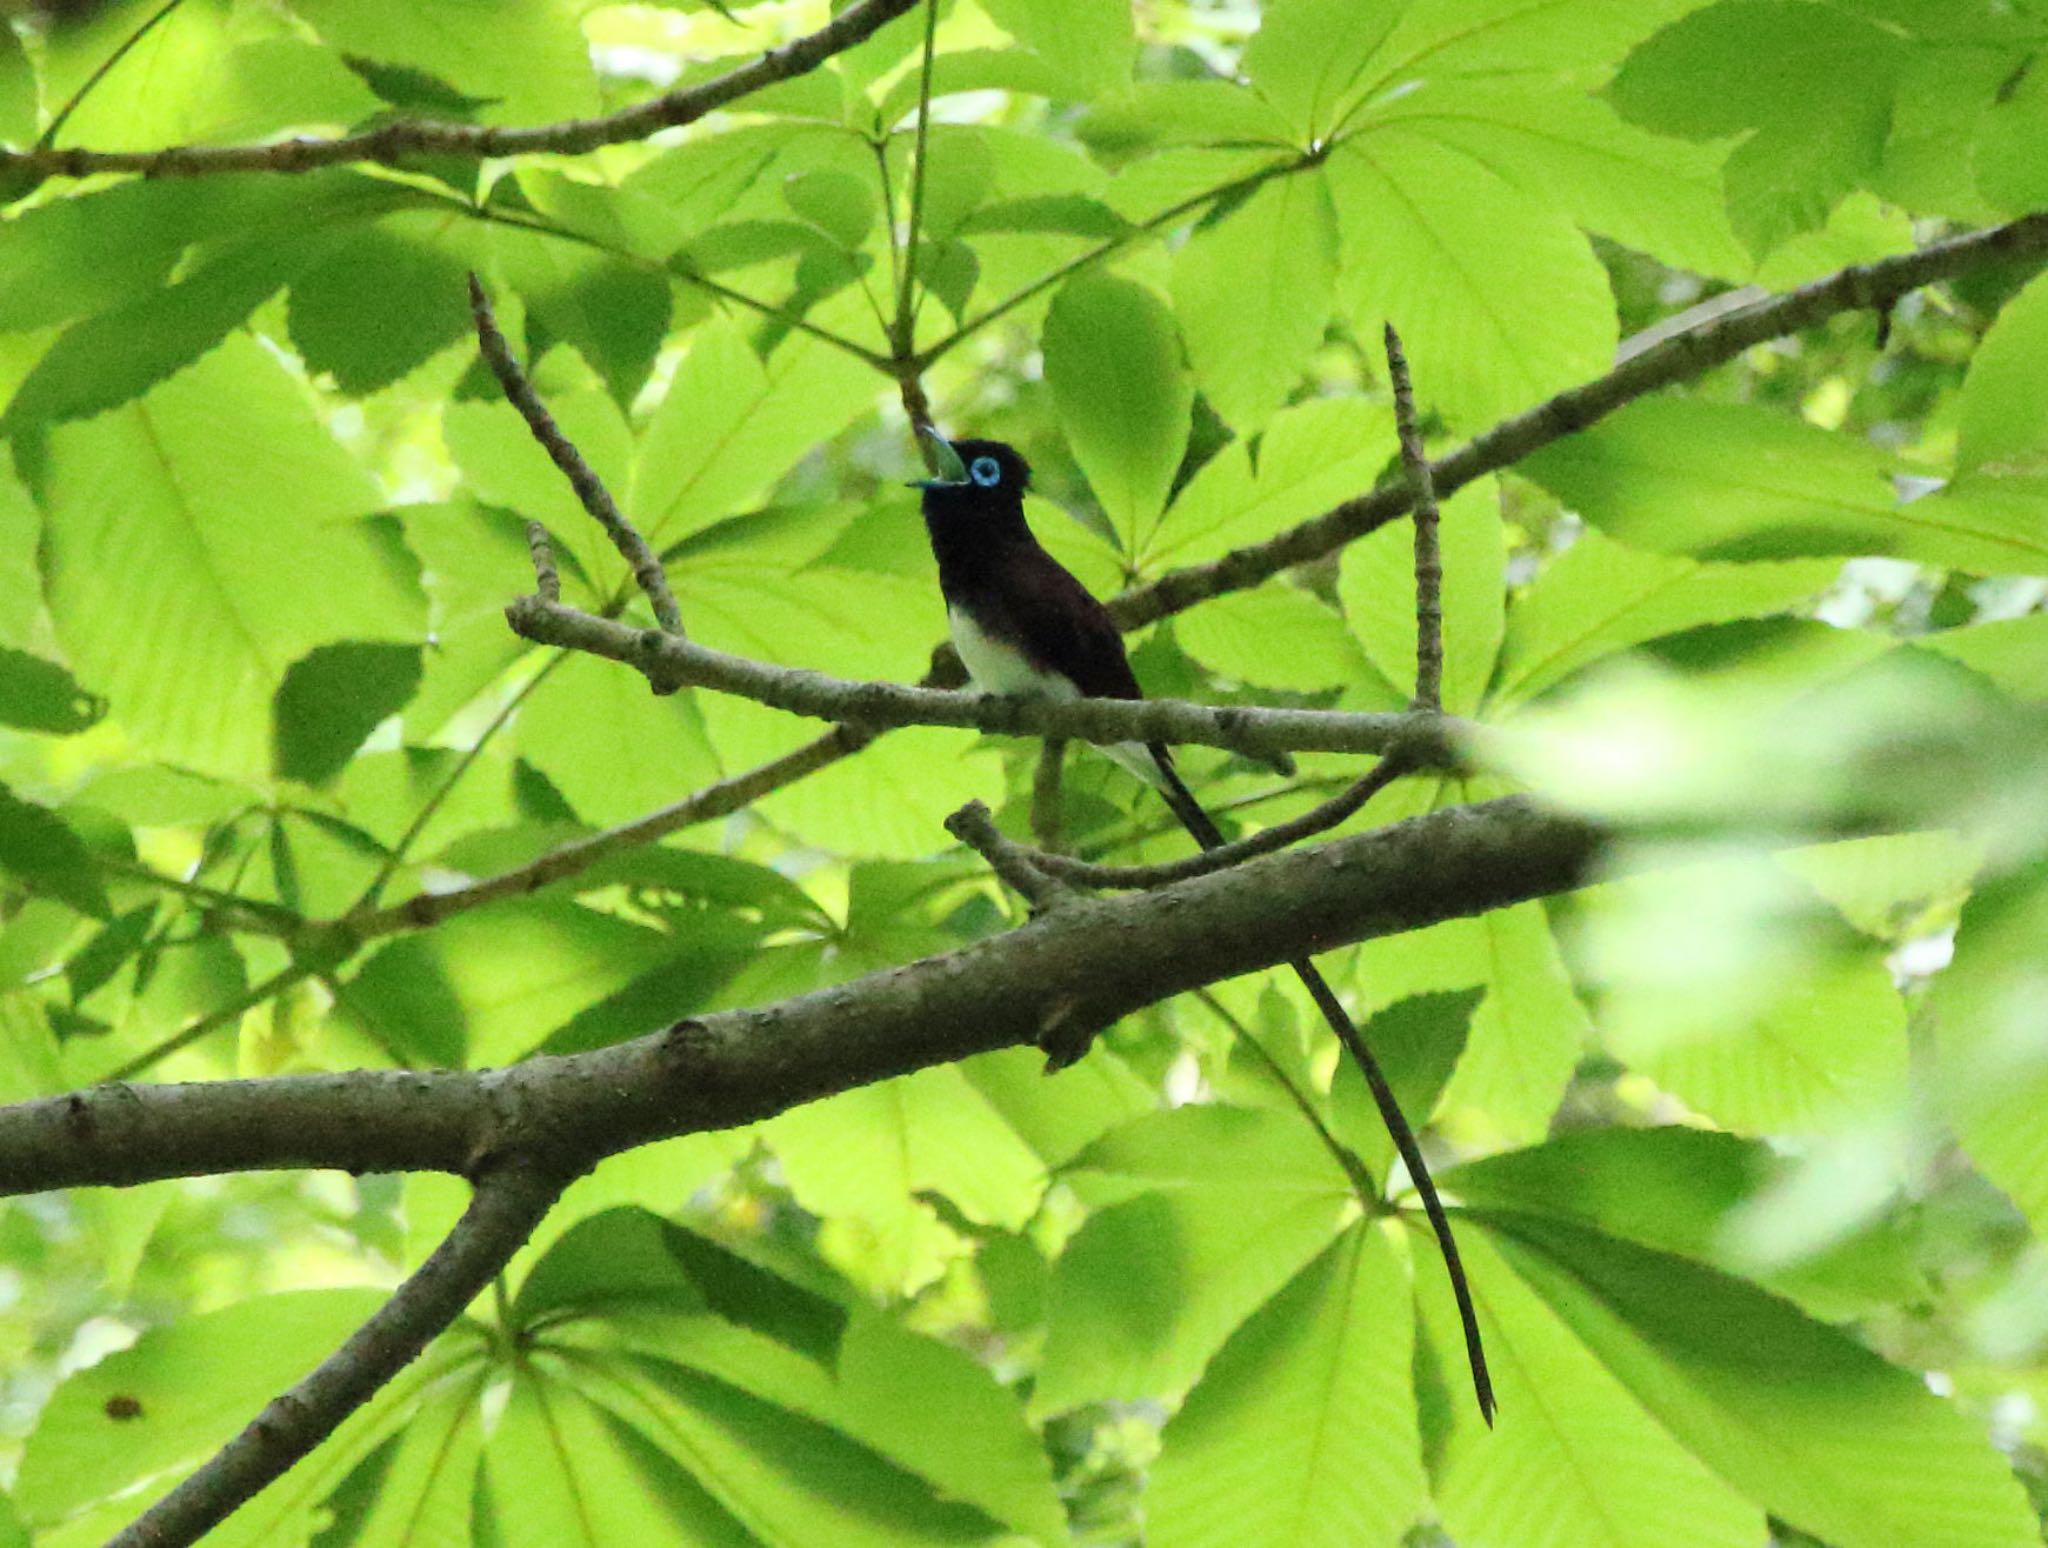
(1266, 841)
(1429, 567)
(1019, 867)
(590, 489)
(1436, 741)
(226, 1015)
(1860, 287)
(394, 142)
(508, 1203)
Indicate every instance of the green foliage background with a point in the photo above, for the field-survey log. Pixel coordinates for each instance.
(1744, 1154)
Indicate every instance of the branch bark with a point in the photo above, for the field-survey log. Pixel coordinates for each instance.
(1427, 740)
(394, 142)
(508, 1203)
(1080, 967)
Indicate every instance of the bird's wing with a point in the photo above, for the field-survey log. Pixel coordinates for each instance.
(1062, 628)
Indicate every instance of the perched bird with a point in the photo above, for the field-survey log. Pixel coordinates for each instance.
(1023, 625)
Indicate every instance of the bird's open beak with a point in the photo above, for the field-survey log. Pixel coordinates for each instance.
(947, 468)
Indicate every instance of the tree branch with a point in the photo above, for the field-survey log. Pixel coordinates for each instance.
(394, 142)
(1433, 740)
(1081, 966)
(1429, 565)
(1678, 358)
(590, 490)
(508, 1203)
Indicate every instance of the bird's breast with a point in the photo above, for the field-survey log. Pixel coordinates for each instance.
(997, 666)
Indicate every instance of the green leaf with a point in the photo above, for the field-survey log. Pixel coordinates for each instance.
(502, 463)
(1660, 196)
(1303, 1430)
(1311, 457)
(1735, 481)
(1234, 634)
(613, 312)
(41, 851)
(1156, 113)
(560, 1470)
(837, 203)
(1088, 46)
(239, 529)
(730, 427)
(2012, 140)
(1992, 1077)
(1575, 1458)
(1307, 56)
(1812, 82)
(1113, 363)
(1419, 227)
(1826, 1048)
(488, 986)
(425, 1480)
(654, 750)
(171, 1399)
(2012, 652)
(537, 67)
(1219, 1208)
(1417, 1042)
(331, 699)
(2003, 427)
(39, 695)
(1252, 292)
(1527, 1034)
(381, 301)
(1802, 1418)
(1377, 587)
(1598, 598)
(1573, 38)
(150, 338)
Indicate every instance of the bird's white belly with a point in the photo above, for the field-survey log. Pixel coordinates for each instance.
(1000, 668)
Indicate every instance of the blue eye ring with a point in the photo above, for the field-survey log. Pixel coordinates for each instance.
(986, 471)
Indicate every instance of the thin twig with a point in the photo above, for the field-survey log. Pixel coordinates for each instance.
(547, 580)
(256, 917)
(590, 489)
(1429, 566)
(395, 142)
(1087, 873)
(1361, 1180)
(973, 826)
(508, 1203)
(1860, 287)
(906, 303)
(1047, 807)
(213, 1020)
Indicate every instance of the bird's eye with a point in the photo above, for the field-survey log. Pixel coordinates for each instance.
(986, 471)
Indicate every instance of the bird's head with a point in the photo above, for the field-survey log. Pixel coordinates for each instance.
(974, 479)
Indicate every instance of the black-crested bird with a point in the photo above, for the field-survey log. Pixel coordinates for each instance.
(1023, 625)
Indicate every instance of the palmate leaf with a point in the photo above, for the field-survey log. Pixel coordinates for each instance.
(1417, 224)
(1733, 481)
(1206, 1212)
(236, 531)
(1252, 293)
(1303, 1429)
(1796, 1415)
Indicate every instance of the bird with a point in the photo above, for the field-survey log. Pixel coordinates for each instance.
(1022, 624)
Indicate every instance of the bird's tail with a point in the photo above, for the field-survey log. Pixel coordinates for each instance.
(1202, 828)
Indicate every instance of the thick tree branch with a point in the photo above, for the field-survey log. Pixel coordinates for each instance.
(1078, 967)
(1432, 740)
(394, 142)
(1683, 356)
(508, 1203)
